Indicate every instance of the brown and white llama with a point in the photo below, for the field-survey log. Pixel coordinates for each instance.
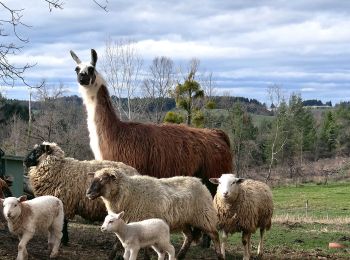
(162, 150)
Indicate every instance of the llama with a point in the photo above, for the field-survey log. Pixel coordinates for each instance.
(163, 150)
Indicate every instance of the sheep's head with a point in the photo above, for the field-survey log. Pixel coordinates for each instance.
(112, 222)
(100, 184)
(12, 207)
(228, 186)
(40, 153)
(86, 73)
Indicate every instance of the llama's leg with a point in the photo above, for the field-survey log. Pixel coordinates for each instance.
(260, 247)
(187, 232)
(22, 246)
(223, 243)
(214, 235)
(246, 245)
(65, 238)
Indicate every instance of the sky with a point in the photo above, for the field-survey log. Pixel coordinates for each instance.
(301, 45)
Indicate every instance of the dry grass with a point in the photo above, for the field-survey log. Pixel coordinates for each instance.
(281, 219)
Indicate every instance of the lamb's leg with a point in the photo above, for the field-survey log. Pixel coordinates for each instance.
(22, 246)
(171, 251)
(133, 253)
(126, 255)
(246, 245)
(223, 243)
(187, 232)
(160, 252)
(260, 247)
(214, 235)
(55, 238)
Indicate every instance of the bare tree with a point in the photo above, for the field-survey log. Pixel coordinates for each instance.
(208, 85)
(157, 86)
(278, 135)
(121, 63)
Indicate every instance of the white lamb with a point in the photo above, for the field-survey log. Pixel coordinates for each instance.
(152, 232)
(25, 218)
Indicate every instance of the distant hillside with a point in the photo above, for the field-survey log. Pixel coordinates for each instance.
(316, 103)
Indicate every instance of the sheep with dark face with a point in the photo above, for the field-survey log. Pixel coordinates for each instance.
(51, 173)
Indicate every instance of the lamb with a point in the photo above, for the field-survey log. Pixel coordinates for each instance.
(243, 205)
(25, 218)
(51, 173)
(133, 236)
(184, 203)
(162, 150)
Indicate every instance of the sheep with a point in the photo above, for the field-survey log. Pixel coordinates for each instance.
(51, 173)
(243, 205)
(158, 150)
(184, 203)
(25, 218)
(152, 232)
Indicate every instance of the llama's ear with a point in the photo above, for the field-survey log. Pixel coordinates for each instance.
(75, 57)
(214, 180)
(93, 57)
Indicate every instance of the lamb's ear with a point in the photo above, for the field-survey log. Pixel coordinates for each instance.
(93, 57)
(214, 180)
(75, 57)
(22, 198)
(121, 214)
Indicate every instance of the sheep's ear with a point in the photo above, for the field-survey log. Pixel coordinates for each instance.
(22, 198)
(75, 57)
(240, 180)
(91, 174)
(214, 180)
(121, 214)
(47, 149)
(93, 57)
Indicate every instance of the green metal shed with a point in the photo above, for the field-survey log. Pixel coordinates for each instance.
(13, 166)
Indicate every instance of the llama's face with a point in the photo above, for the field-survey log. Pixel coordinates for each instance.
(86, 73)
(34, 157)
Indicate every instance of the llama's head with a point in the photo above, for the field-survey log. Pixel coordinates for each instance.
(86, 72)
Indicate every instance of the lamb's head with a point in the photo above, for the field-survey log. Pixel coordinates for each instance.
(12, 207)
(40, 152)
(86, 72)
(228, 186)
(112, 222)
(102, 181)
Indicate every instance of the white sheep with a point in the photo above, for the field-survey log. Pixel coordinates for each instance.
(25, 218)
(152, 232)
(184, 203)
(243, 205)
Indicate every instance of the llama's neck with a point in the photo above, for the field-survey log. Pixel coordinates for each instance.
(100, 114)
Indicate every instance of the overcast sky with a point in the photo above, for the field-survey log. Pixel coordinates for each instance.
(301, 45)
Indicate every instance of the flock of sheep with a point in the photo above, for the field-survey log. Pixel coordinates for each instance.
(122, 185)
